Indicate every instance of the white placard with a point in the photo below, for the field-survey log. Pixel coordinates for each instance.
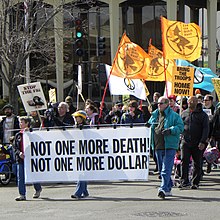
(87, 154)
(32, 96)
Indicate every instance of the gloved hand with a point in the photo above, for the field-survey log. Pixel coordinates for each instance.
(166, 131)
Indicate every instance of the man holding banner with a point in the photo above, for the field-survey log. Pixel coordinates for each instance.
(166, 127)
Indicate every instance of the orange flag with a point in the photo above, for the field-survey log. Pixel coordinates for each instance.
(130, 61)
(181, 40)
(156, 71)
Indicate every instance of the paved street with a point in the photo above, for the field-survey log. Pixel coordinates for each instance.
(117, 200)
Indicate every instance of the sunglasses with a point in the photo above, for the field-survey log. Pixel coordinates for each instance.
(161, 103)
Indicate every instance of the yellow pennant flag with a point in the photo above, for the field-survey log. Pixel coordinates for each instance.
(181, 40)
(159, 66)
(130, 61)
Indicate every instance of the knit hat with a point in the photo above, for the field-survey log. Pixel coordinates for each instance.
(7, 106)
(197, 91)
(80, 113)
(68, 99)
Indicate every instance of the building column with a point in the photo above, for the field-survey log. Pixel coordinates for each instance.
(58, 35)
(212, 22)
(114, 24)
(172, 10)
(114, 29)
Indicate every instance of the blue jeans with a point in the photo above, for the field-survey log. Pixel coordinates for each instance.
(165, 159)
(21, 180)
(81, 189)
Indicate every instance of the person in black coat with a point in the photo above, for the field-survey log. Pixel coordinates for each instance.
(193, 142)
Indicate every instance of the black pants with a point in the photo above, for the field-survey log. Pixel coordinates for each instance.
(186, 153)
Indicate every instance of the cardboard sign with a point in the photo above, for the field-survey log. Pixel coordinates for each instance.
(216, 83)
(32, 96)
(183, 79)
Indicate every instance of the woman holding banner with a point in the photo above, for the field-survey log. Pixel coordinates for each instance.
(25, 123)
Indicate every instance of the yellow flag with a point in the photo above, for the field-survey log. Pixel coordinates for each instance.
(157, 69)
(130, 61)
(181, 40)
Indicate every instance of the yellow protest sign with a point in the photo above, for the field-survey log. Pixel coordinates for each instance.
(216, 83)
(52, 96)
(183, 79)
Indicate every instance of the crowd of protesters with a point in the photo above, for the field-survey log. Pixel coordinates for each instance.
(184, 127)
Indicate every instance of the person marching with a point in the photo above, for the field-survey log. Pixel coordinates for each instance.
(193, 142)
(166, 127)
(81, 188)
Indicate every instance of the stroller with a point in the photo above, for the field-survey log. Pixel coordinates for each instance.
(5, 166)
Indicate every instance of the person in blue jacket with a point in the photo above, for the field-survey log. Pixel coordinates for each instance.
(134, 115)
(166, 127)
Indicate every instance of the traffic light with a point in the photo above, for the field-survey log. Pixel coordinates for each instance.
(100, 46)
(79, 37)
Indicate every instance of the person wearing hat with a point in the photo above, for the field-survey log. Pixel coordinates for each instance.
(80, 118)
(81, 188)
(173, 104)
(9, 125)
(114, 116)
(134, 115)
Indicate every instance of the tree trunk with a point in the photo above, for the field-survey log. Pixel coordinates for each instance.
(13, 98)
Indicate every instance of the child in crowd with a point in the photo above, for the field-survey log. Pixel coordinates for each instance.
(81, 188)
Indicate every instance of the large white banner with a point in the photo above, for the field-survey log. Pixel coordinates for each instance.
(88, 154)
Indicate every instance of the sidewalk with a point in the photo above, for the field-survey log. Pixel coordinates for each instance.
(115, 200)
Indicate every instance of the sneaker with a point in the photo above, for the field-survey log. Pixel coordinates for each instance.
(184, 186)
(75, 196)
(20, 198)
(168, 193)
(37, 194)
(194, 187)
(161, 194)
(85, 196)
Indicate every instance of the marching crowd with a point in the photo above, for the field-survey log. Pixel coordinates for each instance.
(179, 128)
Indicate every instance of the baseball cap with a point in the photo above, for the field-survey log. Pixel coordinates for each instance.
(172, 97)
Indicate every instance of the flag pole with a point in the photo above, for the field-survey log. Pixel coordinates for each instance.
(164, 64)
